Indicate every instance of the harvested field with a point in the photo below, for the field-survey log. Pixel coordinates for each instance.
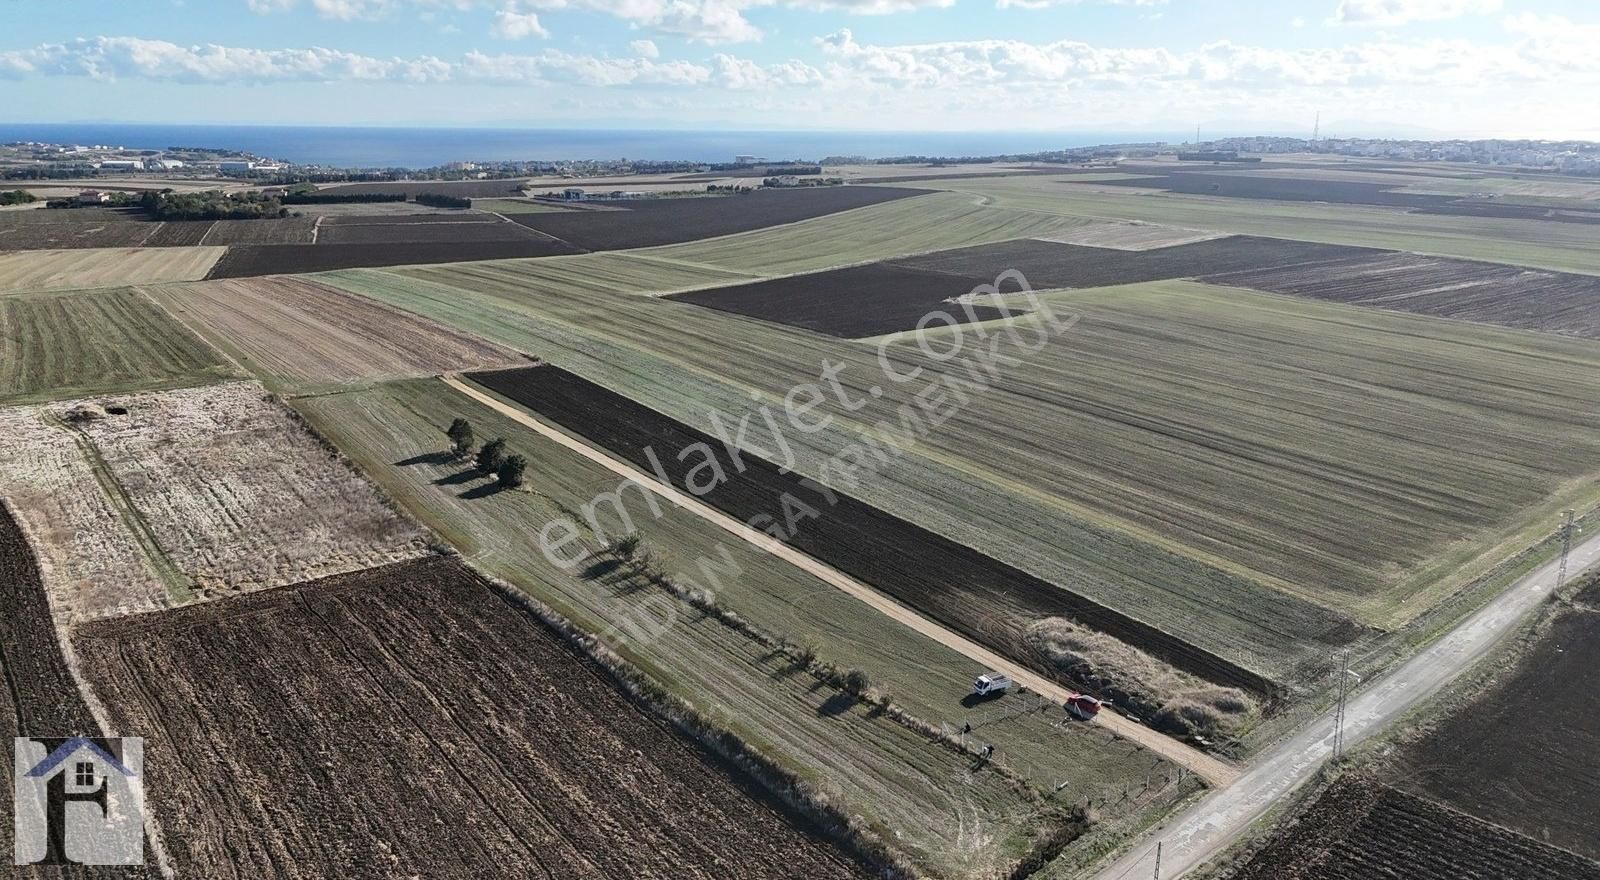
(57, 345)
(238, 494)
(451, 231)
(515, 206)
(1241, 184)
(303, 334)
(278, 230)
(1360, 829)
(943, 815)
(1554, 302)
(976, 595)
(870, 300)
(437, 216)
(905, 226)
(50, 229)
(480, 741)
(1048, 264)
(92, 560)
(1131, 236)
(1537, 774)
(244, 261)
(1469, 208)
(651, 222)
(461, 189)
(511, 282)
(104, 267)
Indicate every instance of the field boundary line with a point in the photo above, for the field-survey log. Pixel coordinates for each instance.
(1211, 769)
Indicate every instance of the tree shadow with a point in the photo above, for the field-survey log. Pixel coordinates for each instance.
(838, 704)
(439, 457)
(601, 568)
(483, 491)
(459, 477)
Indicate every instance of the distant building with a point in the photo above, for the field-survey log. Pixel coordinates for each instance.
(92, 197)
(235, 166)
(162, 164)
(120, 165)
(572, 193)
(748, 160)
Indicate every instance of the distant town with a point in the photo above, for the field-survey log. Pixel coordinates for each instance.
(45, 161)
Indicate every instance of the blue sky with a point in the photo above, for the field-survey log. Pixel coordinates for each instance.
(1371, 67)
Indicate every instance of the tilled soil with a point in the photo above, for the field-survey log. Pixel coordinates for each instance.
(242, 261)
(1360, 829)
(411, 721)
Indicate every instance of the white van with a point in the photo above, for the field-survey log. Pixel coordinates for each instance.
(991, 683)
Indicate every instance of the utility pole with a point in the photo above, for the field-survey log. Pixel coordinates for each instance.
(1338, 715)
(1316, 130)
(1566, 548)
(1158, 860)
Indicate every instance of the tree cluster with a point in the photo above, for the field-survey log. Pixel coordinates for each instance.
(17, 197)
(491, 458)
(439, 200)
(214, 205)
(316, 198)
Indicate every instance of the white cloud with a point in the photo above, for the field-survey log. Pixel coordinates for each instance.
(1387, 13)
(744, 74)
(509, 25)
(561, 67)
(111, 58)
(645, 49)
(871, 7)
(1043, 4)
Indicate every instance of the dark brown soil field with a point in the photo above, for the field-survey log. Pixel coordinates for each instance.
(243, 261)
(464, 189)
(859, 301)
(885, 297)
(1051, 264)
(1360, 829)
(1523, 754)
(962, 588)
(411, 721)
(332, 220)
(45, 229)
(1487, 293)
(650, 222)
(38, 696)
(1241, 184)
(179, 233)
(450, 232)
(285, 230)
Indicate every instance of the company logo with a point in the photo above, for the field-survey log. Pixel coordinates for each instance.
(79, 801)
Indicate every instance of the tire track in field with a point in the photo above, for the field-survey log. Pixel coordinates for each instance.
(1213, 770)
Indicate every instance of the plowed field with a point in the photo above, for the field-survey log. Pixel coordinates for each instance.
(410, 721)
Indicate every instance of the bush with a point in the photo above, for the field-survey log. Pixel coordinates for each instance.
(511, 470)
(17, 197)
(492, 455)
(626, 547)
(856, 681)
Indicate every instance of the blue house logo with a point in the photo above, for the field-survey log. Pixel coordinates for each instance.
(79, 801)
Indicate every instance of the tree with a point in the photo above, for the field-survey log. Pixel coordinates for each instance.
(492, 455)
(856, 681)
(461, 436)
(511, 470)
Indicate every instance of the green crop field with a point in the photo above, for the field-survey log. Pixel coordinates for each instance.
(1249, 472)
(1573, 247)
(908, 787)
(60, 345)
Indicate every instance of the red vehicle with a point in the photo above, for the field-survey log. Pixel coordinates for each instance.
(1083, 706)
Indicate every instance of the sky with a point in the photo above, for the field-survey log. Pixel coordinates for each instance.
(1370, 68)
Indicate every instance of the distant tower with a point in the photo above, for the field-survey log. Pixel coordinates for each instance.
(1316, 130)
(1197, 134)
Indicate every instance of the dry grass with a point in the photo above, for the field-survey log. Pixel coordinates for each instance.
(1131, 236)
(103, 267)
(307, 333)
(1172, 699)
(91, 563)
(239, 494)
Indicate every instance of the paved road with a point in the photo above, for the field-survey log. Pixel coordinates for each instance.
(1209, 827)
(1208, 767)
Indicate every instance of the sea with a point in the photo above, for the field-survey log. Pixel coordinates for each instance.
(385, 147)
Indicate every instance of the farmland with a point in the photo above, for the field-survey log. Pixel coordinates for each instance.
(981, 597)
(302, 334)
(78, 228)
(485, 741)
(1360, 828)
(1532, 782)
(461, 189)
(243, 261)
(55, 345)
(904, 784)
(1483, 292)
(348, 232)
(236, 492)
(88, 539)
(870, 300)
(649, 222)
(103, 267)
(284, 230)
(1252, 460)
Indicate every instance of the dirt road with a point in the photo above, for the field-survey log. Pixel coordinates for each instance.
(1213, 770)
(1215, 822)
